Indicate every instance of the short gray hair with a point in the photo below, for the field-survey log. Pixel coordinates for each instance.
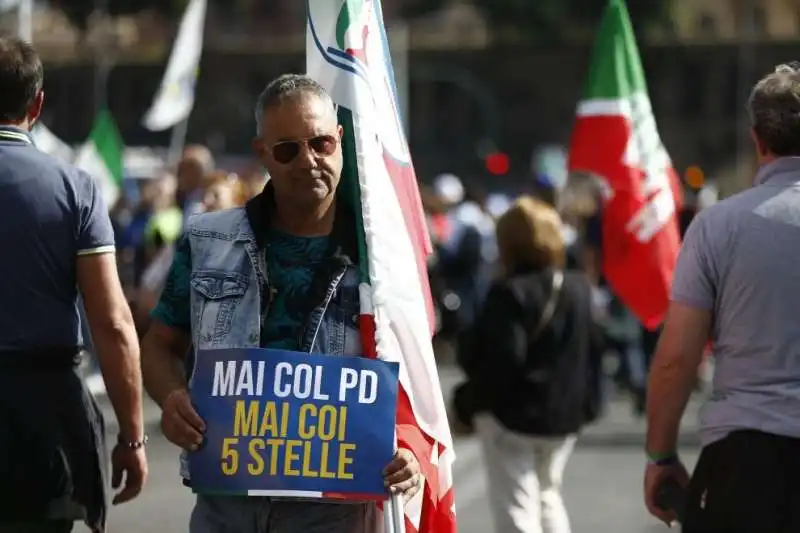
(774, 108)
(284, 87)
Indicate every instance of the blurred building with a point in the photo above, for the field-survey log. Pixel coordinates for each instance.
(728, 20)
(470, 88)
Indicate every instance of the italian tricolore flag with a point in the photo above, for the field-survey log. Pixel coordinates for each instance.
(101, 156)
(616, 140)
(347, 52)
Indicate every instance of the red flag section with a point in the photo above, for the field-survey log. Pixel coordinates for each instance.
(616, 141)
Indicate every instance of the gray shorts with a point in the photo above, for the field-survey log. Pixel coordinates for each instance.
(240, 514)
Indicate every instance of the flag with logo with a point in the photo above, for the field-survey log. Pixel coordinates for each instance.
(101, 157)
(175, 99)
(616, 141)
(347, 52)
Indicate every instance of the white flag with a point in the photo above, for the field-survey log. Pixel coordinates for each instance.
(347, 52)
(175, 98)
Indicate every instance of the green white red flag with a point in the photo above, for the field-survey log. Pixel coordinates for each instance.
(101, 156)
(616, 141)
(347, 52)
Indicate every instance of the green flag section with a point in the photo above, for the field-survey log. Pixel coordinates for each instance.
(101, 156)
(616, 70)
(616, 141)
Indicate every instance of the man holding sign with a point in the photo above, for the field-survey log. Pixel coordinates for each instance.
(279, 274)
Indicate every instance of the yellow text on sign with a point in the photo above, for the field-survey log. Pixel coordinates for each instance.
(271, 419)
(264, 428)
(286, 457)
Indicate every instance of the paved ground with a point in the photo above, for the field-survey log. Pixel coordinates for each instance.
(603, 480)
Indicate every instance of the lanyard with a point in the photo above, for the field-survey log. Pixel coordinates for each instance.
(14, 136)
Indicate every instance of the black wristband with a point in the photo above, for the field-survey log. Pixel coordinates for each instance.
(664, 460)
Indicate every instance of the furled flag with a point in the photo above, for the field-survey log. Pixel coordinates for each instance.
(348, 53)
(175, 98)
(101, 156)
(616, 140)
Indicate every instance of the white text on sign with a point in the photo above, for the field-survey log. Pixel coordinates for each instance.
(302, 381)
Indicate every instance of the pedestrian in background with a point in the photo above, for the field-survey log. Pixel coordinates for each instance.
(533, 368)
(58, 242)
(737, 283)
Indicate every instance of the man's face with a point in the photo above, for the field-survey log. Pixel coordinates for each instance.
(300, 146)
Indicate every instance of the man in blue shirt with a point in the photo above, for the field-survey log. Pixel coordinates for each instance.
(278, 273)
(58, 242)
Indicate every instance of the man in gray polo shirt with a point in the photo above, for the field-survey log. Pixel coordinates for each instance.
(737, 284)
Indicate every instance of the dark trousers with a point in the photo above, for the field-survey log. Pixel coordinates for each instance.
(44, 526)
(748, 482)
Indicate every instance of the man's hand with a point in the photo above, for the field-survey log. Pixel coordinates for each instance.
(403, 475)
(654, 478)
(180, 422)
(132, 463)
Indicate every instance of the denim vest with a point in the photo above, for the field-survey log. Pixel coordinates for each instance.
(230, 291)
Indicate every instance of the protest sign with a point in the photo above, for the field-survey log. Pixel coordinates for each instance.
(283, 423)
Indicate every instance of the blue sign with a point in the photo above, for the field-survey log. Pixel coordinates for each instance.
(289, 423)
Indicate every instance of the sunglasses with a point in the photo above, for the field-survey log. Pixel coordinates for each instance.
(321, 146)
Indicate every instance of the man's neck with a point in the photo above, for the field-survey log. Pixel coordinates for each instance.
(304, 222)
(23, 125)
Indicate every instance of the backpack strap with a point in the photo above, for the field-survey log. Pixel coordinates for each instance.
(550, 307)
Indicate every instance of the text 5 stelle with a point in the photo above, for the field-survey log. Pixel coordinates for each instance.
(321, 440)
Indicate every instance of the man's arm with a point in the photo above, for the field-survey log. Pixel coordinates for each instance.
(115, 339)
(110, 320)
(687, 329)
(164, 350)
(673, 373)
(167, 341)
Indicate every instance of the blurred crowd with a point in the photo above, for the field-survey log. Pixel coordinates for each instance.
(462, 223)
(149, 219)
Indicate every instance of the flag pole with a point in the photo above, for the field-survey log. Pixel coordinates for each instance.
(394, 513)
(177, 141)
(397, 514)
